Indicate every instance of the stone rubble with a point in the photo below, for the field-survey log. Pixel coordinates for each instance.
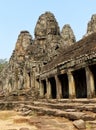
(80, 124)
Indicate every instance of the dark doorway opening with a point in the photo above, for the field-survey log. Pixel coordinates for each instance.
(64, 83)
(1, 85)
(29, 76)
(53, 87)
(45, 87)
(80, 83)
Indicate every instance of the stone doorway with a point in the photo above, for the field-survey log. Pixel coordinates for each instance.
(64, 85)
(53, 87)
(80, 83)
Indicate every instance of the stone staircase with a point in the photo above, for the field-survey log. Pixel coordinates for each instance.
(80, 110)
(73, 109)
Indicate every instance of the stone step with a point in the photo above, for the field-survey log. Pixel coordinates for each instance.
(60, 113)
(67, 110)
(65, 106)
(79, 100)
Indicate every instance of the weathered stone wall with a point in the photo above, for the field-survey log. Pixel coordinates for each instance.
(12, 76)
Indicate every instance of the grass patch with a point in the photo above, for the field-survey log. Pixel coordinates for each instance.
(88, 126)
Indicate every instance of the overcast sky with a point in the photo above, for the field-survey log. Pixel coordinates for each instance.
(18, 15)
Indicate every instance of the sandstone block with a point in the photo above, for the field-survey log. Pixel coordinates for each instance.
(80, 124)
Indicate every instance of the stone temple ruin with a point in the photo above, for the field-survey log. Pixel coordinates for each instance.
(52, 65)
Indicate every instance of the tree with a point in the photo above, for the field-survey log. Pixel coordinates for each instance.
(3, 63)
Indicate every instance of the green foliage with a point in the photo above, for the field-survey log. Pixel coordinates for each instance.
(3, 63)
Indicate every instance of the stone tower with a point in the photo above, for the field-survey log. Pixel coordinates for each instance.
(67, 35)
(46, 25)
(91, 27)
(47, 38)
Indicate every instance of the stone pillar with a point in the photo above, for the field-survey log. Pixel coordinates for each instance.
(36, 84)
(41, 89)
(28, 79)
(33, 76)
(15, 85)
(14, 82)
(48, 85)
(24, 73)
(58, 87)
(72, 93)
(9, 87)
(20, 81)
(16, 79)
(90, 83)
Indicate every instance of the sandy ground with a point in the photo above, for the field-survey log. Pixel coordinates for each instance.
(10, 120)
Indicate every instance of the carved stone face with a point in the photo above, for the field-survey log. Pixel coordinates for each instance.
(24, 40)
(40, 29)
(46, 24)
(67, 34)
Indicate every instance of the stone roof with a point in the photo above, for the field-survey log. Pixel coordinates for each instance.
(83, 47)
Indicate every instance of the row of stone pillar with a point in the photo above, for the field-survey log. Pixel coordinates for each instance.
(71, 84)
